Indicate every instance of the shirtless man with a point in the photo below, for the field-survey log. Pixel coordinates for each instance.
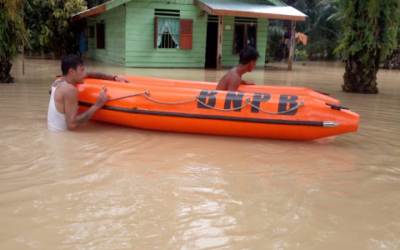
(247, 62)
(63, 105)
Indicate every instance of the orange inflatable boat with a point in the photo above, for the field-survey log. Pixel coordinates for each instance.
(196, 107)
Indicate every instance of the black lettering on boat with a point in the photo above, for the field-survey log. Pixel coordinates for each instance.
(234, 100)
(208, 98)
(258, 98)
(286, 103)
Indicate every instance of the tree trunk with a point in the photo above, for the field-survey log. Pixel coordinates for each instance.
(360, 75)
(5, 68)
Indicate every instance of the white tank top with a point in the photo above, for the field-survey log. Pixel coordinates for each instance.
(55, 120)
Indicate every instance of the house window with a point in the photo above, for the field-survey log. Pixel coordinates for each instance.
(166, 29)
(91, 32)
(245, 33)
(100, 35)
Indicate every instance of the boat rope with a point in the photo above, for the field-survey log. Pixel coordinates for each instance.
(148, 97)
(126, 96)
(146, 94)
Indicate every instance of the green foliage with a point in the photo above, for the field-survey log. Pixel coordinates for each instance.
(12, 31)
(370, 33)
(12, 35)
(273, 2)
(48, 24)
(301, 54)
(369, 26)
(275, 49)
(92, 3)
(322, 27)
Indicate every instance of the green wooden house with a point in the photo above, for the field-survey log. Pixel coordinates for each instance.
(179, 33)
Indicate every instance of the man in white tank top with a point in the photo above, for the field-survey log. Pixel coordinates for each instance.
(63, 105)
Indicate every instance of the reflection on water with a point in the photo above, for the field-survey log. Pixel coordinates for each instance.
(110, 187)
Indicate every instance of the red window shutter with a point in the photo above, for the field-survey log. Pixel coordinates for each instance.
(155, 31)
(186, 34)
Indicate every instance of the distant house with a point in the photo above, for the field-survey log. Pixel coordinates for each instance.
(179, 33)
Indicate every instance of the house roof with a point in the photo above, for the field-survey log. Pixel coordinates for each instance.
(269, 9)
(97, 10)
(256, 9)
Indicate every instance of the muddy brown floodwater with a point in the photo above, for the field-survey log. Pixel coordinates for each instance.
(110, 187)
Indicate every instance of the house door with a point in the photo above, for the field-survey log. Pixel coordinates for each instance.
(212, 42)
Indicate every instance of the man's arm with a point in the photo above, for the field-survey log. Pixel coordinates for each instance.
(247, 83)
(102, 76)
(72, 117)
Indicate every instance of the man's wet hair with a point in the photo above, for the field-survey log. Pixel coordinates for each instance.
(70, 62)
(248, 54)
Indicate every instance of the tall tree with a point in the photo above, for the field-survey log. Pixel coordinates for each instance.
(49, 25)
(12, 34)
(369, 34)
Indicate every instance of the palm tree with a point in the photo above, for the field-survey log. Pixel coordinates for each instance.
(370, 34)
(12, 34)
